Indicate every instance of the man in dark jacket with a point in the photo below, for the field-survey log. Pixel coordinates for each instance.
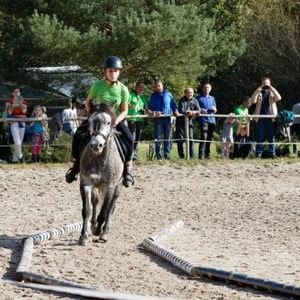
(189, 106)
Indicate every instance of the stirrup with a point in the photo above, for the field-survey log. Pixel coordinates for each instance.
(71, 175)
(128, 180)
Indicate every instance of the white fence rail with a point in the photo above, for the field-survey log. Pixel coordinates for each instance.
(186, 120)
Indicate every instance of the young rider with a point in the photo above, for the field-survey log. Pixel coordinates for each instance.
(106, 90)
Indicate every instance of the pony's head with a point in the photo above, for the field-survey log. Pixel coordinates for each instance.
(102, 118)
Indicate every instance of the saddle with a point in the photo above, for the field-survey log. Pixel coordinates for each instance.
(83, 138)
(123, 146)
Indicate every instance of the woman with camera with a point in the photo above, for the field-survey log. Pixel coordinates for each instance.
(16, 107)
(265, 98)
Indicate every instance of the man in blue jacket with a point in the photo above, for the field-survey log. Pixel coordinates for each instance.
(207, 124)
(162, 103)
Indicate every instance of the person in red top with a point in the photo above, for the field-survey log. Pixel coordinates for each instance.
(16, 107)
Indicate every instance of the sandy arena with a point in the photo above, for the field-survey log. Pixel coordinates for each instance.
(238, 216)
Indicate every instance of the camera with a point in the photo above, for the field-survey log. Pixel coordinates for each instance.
(265, 87)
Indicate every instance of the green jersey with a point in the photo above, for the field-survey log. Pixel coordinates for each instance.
(139, 102)
(100, 91)
(240, 110)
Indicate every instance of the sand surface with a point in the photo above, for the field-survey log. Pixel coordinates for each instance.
(240, 217)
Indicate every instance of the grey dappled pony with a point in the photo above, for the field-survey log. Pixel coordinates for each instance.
(101, 170)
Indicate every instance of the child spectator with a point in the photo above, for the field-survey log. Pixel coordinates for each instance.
(242, 144)
(38, 135)
(226, 137)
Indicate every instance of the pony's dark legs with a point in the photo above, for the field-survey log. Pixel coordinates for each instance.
(106, 212)
(85, 192)
(95, 203)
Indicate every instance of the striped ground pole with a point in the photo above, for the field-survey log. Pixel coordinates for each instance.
(167, 231)
(53, 233)
(37, 238)
(39, 278)
(211, 273)
(25, 259)
(86, 293)
(170, 257)
(254, 282)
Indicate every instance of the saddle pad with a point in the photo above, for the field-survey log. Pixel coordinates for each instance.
(122, 145)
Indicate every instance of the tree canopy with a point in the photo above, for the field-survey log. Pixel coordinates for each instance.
(232, 43)
(153, 38)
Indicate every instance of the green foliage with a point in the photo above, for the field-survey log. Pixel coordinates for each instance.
(148, 130)
(273, 42)
(5, 150)
(159, 39)
(232, 43)
(59, 152)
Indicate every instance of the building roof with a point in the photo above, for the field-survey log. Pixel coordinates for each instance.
(70, 81)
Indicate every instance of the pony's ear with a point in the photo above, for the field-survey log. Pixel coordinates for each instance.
(112, 105)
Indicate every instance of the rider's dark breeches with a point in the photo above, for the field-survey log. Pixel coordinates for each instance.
(129, 138)
(80, 138)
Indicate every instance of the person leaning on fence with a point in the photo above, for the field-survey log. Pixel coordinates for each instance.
(138, 105)
(295, 129)
(242, 145)
(226, 137)
(162, 103)
(16, 107)
(189, 106)
(107, 90)
(242, 110)
(69, 126)
(208, 123)
(265, 98)
(38, 134)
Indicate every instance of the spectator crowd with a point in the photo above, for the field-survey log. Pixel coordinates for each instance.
(238, 135)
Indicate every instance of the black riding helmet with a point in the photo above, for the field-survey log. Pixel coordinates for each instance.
(112, 62)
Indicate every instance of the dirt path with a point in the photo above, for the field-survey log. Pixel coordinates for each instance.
(239, 216)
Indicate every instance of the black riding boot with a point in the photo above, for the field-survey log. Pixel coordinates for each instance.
(128, 180)
(34, 158)
(38, 159)
(72, 173)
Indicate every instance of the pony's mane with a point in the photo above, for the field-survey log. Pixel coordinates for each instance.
(104, 107)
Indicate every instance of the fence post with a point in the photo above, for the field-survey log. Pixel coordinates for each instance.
(187, 136)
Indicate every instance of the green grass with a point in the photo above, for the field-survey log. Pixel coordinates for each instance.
(143, 156)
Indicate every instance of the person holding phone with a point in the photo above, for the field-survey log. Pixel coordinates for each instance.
(16, 107)
(265, 98)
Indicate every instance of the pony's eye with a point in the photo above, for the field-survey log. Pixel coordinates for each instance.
(108, 123)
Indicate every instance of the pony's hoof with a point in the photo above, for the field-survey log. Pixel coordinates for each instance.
(96, 232)
(103, 237)
(83, 242)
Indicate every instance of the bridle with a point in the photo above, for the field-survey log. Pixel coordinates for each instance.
(105, 137)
